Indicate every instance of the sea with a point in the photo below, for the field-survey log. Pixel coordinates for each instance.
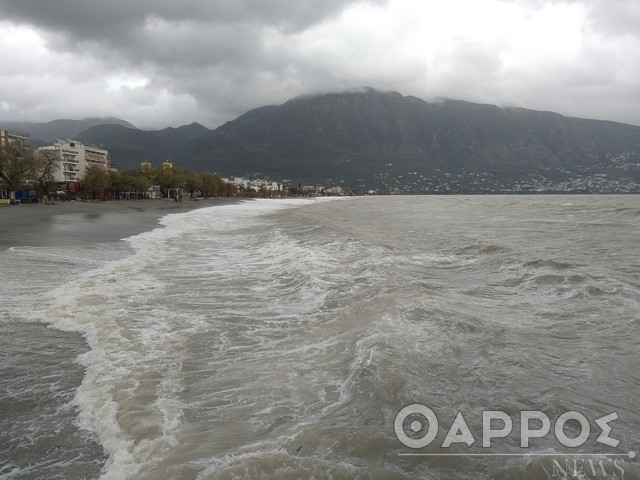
(389, 337)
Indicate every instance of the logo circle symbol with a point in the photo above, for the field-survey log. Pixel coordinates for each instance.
(421, 418)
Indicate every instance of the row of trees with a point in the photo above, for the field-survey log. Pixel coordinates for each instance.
(136, 181)
(20, 166)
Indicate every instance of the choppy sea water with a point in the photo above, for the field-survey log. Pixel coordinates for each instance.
(279, 339)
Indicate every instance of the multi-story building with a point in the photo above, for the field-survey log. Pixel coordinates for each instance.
(97, 157)
(8, 137)
(76, 157)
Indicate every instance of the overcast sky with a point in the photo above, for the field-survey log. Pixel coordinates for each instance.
(160, 63)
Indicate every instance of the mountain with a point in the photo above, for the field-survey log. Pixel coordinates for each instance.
(42, 133)
(395, 143)
(373, 128)
(392, 142)
(128, 147)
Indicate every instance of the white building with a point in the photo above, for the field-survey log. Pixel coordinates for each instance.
(75, 158)
(241, 182)
(153, 192)
(334, 191)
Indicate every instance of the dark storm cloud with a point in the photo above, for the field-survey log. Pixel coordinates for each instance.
(167, 62)
(209, 50)
(176, 35)
(167, 32)
(109, 20)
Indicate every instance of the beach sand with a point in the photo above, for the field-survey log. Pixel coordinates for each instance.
(81, 223)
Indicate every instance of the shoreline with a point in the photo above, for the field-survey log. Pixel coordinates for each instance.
(82, 223)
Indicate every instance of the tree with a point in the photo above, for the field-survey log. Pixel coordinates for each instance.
(193, 182)
(228, 189)
(45, 162)
(16, 165)
(264, 192)
(294, 191)
(208, 184)
(95, 180)
(131, 181)
(170, 178)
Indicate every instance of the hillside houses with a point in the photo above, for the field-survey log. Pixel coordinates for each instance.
(270, 187)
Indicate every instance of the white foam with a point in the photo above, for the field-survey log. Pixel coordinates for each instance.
(130, 394)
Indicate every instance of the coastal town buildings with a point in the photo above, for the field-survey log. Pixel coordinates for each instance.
(75, 158)
(256, 184)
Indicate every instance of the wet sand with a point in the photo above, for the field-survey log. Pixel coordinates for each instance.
(81, 223)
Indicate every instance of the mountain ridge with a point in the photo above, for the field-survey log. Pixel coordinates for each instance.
(445, 134)
(390, 142)
(46, 132)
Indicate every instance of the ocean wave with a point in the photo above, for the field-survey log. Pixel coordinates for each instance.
(265, 340)
(284, 465)
(550, 263)
(130, 393)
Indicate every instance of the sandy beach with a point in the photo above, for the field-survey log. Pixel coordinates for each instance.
(80, 223)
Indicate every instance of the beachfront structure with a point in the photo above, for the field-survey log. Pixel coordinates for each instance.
(153, 192)
(334, 191)
(18, 139)
(75, 157)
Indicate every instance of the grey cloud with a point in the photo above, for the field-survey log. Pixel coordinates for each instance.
(216, 52)
(617, 18)
(170, 33)
(215, 59)
(101, 20)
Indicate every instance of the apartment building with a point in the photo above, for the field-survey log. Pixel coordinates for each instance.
(75, 157)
